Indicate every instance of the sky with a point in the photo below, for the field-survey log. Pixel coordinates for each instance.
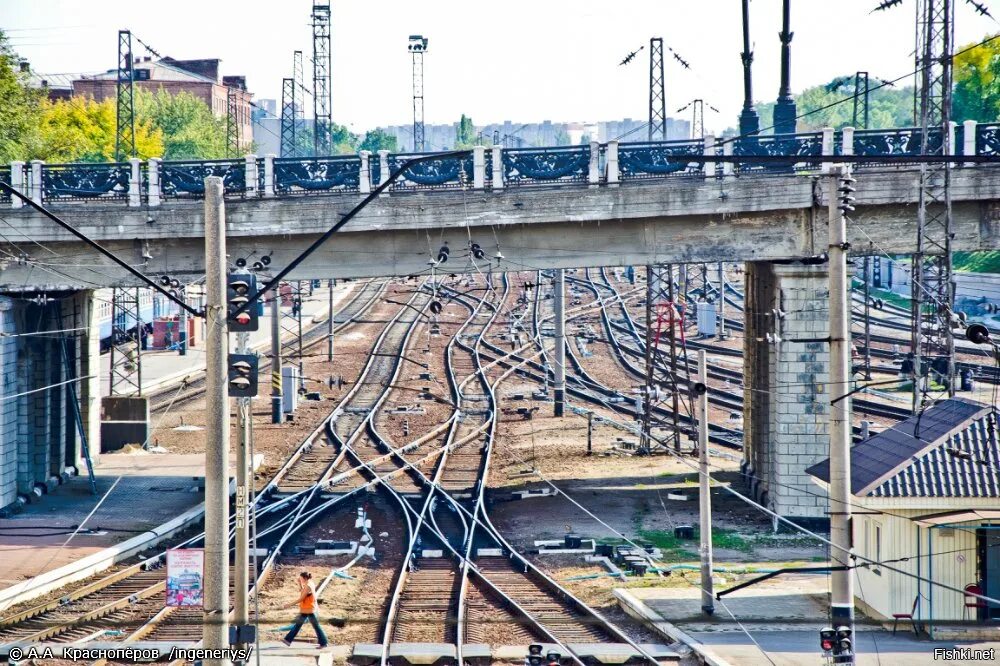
(517, 60)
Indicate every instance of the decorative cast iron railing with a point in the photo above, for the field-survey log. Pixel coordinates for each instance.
(544, 166)
(901, 141)
(777, 145)
(439, 174)
(988, 139)
(656, 159)
(5, 177)
(187, 179)
(312, 175)
(85, 181)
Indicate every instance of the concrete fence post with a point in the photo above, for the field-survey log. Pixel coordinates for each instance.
(479, 167)
(383, 168)
(135, 182)
(364, 172)
(826, 148)
(594, 172)
(153, 181)
(969, 129)
(612, 174)
(17, 182)
(847, 141)
(269, 175)
(35, 184)
(251, 175)
(497, 155)
(709, 151)
(727, 166)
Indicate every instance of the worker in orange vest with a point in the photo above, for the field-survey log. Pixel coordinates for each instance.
(307, 611)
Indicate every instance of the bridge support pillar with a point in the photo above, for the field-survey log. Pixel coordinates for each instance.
(786, 379)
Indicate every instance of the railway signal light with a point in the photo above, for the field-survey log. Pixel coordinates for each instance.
(827, 639)
(844, 647)
(242, 375)
(239, 286)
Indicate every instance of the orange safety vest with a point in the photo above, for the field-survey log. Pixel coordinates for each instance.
(307, 605)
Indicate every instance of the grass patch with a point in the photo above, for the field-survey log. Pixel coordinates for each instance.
(721, 538)
(977, 262)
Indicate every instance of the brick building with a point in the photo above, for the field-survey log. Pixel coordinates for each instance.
(198, 77)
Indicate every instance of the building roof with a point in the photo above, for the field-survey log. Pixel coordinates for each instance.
(950, 450)
(159, 70)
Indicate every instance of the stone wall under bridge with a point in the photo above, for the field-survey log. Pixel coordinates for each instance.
(786, 386)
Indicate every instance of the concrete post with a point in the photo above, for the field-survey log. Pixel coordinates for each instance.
(244, 432)
(251, 175)
(612, 173)
(727, 167)
(842, 582)
(135, 182)
(17, 182)
(153, 184)
(704, 491)
(709, 150)
(969, 139)
(952, 148)
(594, 172)
(91, 368)
(497, 156)
(276, 356)
(365, 173)
(35, 182)
(559, 302)
(330, 324)
(383, 166)
(479, 167)
(847, 141)
(827, 148)
(269, 175)
(215, 634)
(182, 335)
(722, 300)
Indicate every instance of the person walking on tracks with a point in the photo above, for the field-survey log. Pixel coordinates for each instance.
(307, 611)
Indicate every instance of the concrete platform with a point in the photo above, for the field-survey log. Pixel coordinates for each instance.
(150, 490)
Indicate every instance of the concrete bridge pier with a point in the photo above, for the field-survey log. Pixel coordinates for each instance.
(786, 391)
(48, 347)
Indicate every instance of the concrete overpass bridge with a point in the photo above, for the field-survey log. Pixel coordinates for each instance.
(595, 205)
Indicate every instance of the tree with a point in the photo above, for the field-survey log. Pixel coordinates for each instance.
(18, 105)
(977, 83)
(376, 140)
(190, 130)
(83, 130)
(465, 134)
(561, 138)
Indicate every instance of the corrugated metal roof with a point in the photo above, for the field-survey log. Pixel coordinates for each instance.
(951, 450)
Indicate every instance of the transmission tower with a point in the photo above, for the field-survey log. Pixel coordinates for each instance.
(417, 46)
(300, 88)
(932, 288)
(861, 117)
(125, 107)
(288, 118)
(232, 122)
(126, 342)
(657, 97)
(322, 101)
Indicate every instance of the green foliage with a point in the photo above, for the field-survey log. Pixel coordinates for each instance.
(977, 262)
(376, 140)
(190, 130)
(18, 105)
(977, 83)
(562, 138)
(82, 130)
(465, 134)
(889, 106)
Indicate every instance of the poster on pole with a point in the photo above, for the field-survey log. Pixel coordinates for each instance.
(185, 577)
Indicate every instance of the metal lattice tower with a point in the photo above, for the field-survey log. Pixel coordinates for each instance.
(125, 105)
(322, 64)
(932, 286)
(126, 342)
(861, 116)
(232, 123)
(417, 46)
(287, 118)
(657, 97)
(300, 88)
(661, 360)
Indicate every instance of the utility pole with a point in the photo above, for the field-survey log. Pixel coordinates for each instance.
(182, 335)
(559, 301)
(302, 376)
(704, 489)
(276, 356)
(244, 433)
(749, 120)
(322, 63)
(216, 611)
(722, 300)
(657, 95)
(839, 189)
(124, 106)
(417, 46)
(330, 324)
(868, 321)
(784, 108)
(590, 433)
